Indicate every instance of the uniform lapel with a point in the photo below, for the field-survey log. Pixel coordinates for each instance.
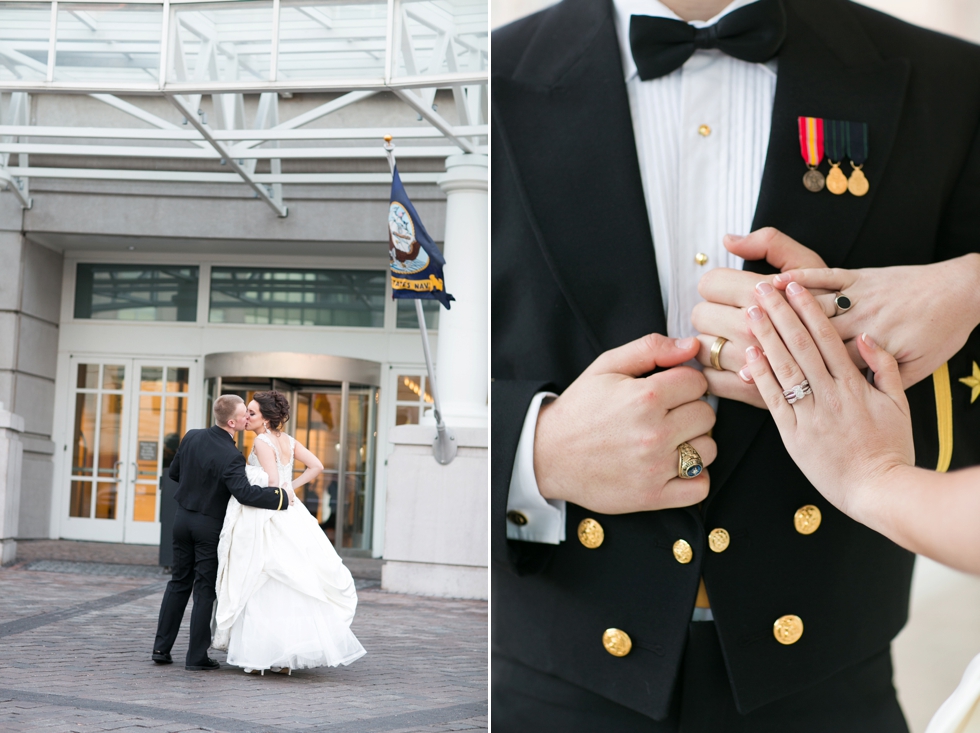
(577, 151)
(828, 68)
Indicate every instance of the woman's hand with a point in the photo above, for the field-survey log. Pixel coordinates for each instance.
(847, 436)
(922, 315)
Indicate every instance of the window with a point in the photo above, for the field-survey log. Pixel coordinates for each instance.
(298, 297)
(411, 399)
(408, 319)
(136, 292)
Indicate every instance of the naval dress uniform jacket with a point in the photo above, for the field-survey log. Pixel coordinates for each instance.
(574, 274)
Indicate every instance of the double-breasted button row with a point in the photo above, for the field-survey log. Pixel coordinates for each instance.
(787, 630)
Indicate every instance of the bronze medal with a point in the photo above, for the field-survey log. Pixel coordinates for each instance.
(814, 180)
(836, 180)
(858, 183)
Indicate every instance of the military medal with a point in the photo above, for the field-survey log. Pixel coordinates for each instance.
(834, 134)
(857, 151)
(811, 146)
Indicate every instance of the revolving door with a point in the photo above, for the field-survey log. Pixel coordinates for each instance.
(333, 412)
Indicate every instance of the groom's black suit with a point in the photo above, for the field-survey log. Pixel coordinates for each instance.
(574, 274)
(209, 470)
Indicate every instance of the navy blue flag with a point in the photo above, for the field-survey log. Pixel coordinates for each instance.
(416, 262)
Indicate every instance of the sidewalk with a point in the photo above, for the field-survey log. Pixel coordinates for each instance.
(74, 657)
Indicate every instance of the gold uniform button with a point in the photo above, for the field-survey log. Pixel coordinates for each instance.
(807, 519)
(704, 131)
(701, 258)
(683, 552)
(788, 629)
(617, 643)
(518, 518)
(590, 533)
(719, 540)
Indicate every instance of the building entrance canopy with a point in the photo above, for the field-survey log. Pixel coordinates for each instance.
(223, 67)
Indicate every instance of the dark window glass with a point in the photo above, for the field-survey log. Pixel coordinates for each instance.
(298, 297)
(408, 319)
(136, 292)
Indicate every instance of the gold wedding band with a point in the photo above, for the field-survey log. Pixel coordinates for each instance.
(716, 348)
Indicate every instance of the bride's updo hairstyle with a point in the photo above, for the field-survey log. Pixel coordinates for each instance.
(274, 408)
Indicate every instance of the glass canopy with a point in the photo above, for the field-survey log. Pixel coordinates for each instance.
(231, 50)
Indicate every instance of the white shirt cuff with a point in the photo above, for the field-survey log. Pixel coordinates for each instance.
(545, 518)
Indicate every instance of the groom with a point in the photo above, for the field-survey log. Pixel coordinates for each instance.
(626, 144)
(209, 469)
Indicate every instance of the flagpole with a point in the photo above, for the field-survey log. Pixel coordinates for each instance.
(444, 446)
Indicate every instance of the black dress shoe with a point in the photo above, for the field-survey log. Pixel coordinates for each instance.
(209, 664)
(162, 658)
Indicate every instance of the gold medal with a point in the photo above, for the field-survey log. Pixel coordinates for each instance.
(836, 180)
(814, 180)
(858, 183)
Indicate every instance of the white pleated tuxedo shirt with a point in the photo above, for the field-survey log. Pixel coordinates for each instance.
(701, 137)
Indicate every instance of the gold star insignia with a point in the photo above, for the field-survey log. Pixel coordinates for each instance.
(973, 382)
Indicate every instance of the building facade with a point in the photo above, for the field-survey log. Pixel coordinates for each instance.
(150, 265)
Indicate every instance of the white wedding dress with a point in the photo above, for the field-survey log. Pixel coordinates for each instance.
(961, 712)
(285, 598)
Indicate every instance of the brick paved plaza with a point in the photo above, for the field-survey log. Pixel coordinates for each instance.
(77, 624)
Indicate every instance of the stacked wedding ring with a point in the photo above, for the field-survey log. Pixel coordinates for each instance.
(797, 393)
(842, 304)
(689, 464)
(716, 348)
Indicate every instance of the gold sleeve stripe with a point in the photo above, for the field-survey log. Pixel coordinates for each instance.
(281, 493)
(944, 416)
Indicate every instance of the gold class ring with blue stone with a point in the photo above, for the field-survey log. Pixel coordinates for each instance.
(689, 464)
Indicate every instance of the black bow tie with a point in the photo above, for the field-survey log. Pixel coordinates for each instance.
(753, 33)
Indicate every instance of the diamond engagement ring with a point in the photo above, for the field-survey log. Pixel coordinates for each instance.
(689, 464)
(797, 393)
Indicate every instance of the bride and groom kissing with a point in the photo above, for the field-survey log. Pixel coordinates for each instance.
(268, 586)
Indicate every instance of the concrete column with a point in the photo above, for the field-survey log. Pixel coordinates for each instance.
(11, 456)
(461, 361)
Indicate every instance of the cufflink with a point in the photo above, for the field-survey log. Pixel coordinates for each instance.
(518, 518)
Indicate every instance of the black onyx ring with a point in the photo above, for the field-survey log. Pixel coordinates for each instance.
(689, 464)
(797, 393)
(842, 304)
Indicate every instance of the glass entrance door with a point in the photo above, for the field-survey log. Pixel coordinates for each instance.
(128, 418)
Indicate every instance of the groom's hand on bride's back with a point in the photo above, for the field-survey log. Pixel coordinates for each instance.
(609, 442)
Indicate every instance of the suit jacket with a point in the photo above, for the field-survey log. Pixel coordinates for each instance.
(209, 470)
(574, 274)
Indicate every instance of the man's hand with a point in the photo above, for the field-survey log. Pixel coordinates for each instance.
(609, 442)
(727, 292)
(921, 315)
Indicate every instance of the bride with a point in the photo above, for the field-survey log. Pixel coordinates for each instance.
(285, 598)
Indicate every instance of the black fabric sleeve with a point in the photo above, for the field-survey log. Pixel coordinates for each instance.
(509, 408)
(174, 471)
(258, 496)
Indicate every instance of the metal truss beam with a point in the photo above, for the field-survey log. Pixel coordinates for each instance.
(278, 132)
(259, 188)
(18, 185)
(434, 119)
(126, 151)
(107, 174)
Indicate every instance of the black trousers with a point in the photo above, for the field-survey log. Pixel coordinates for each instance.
(195, 566)
(860, 699)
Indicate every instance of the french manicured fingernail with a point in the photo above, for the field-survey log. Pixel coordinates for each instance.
(745, 374)
(780, 279)
(755, 313)
(794, 288)
(752, 353)
(763, 288)
(868, 340)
